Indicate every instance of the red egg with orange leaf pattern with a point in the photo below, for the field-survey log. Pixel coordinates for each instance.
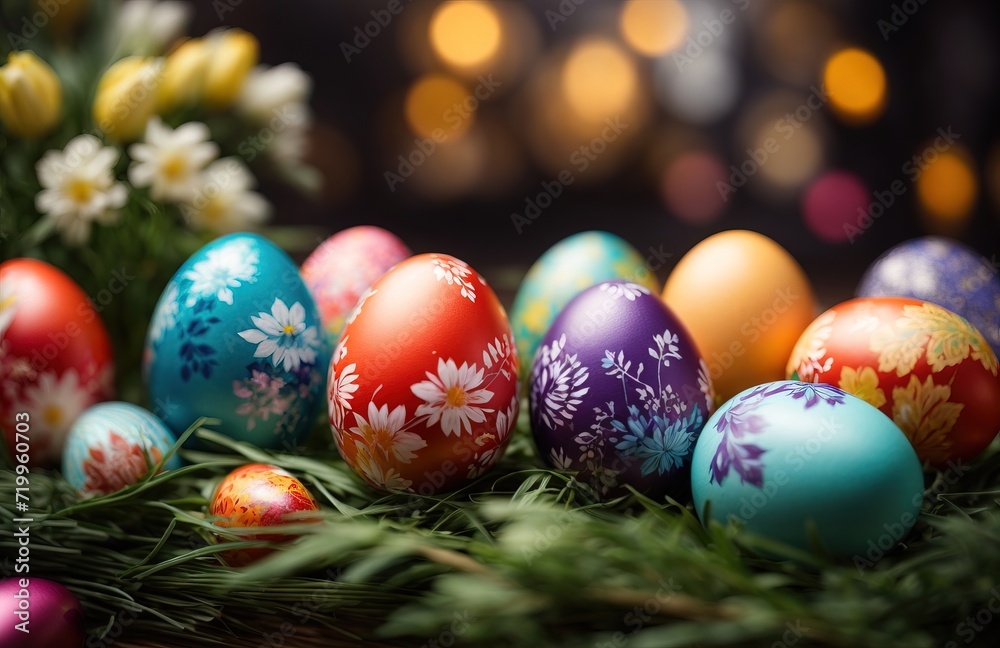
(423, 383)
(925, 367)
(258, 495)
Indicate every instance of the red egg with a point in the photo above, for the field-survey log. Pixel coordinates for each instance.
(925, 367)
(258, 495)
(55, 357)
(423, 384)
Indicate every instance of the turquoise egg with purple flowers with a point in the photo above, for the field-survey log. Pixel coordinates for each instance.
(236, 336)
(618, 393)
(942, 271)
(113, 445)
(791, 459)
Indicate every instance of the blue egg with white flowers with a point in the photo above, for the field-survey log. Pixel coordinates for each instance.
(236, 336)
(113, 445)
(788, 458)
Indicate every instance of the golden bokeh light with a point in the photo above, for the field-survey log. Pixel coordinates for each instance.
(947, 190)
(653, 27)
(437, 106)
(856, 83)
(465, 34)
(599, 80)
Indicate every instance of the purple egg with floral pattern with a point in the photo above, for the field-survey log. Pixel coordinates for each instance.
(619, 392)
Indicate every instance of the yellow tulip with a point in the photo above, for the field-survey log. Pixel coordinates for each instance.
(126, 96)
(234, 54)
(210, 69)
(30, 95)
(184, 74)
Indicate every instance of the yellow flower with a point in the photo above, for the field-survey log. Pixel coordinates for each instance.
(211, 69)
(863, 383)
(126, 96)
(30, 95)
(184, 74)
(923, 413)
(234, 55)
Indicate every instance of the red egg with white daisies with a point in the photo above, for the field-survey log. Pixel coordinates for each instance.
(423, 383)
(55, 357)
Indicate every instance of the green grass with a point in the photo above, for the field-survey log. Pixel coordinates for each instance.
(521, 557)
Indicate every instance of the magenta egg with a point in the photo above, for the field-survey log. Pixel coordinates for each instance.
(619, 392)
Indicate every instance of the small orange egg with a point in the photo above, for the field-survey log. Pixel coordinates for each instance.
(745, 301)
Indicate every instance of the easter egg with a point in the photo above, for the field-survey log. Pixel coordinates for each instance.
(423, 383)
(55, 358)
(619, 393)
(236, 336)
(569, 266)
(258, 495)
(113, 445)
(944, 272)
(344, 266)
(745, 301)
(925, 367)
(787, 456)
(55, 618)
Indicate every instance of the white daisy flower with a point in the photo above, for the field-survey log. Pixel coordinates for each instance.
(223, 201)
(452, 398)
(377, 475)
(628, 290)
(148, 26)
(342, 393)
(222, 269)
(171, 160)
(54, 404)
(79, 187)
(382, 431)
(283, 336)
(279, 91)
(165, 316)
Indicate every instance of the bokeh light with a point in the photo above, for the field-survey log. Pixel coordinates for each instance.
(947, 190)
(690, 186)
(465, 34)
(856, 83)
(833, 201)
(436, 106)
(795, 39)
(599, 80)
(653, 27)
(698, 90)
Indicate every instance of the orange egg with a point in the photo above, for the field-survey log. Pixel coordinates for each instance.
(745, 301)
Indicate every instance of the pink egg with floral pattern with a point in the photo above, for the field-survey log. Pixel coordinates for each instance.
(423, 383)
(344, 266)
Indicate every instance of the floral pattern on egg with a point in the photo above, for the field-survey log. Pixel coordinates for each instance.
(237, 336)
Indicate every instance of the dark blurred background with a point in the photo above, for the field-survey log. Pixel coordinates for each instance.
(698, 83)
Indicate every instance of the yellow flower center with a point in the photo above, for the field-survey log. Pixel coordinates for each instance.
(173, 167)
(213, 211)
(289, 329)
(80, 191)
(7, 302)
(456, 396)
(52, 415)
